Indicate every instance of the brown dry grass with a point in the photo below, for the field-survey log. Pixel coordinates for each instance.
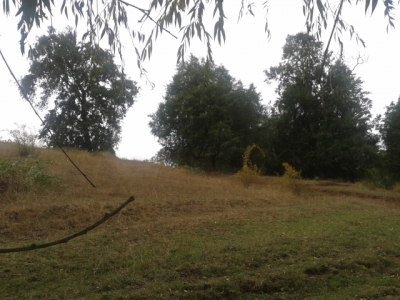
(187, 231)
(161, 194)
(164, 196)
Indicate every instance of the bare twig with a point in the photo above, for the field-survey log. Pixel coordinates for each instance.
(68, 238)
(147, 13)
(360, 61)
(44, 124)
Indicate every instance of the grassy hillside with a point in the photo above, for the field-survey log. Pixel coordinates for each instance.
(191, 236)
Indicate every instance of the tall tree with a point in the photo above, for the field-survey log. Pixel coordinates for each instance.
(91, 95)
(322, 119)
(390, 133)
(207, 117)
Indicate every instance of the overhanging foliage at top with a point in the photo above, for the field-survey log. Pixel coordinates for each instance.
(107, 18)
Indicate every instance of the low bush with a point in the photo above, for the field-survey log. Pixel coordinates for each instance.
(378, 178)
(194, 170)
(250, 173)
(25, 140)
(17, 176)
(396, 188)
(292, 179)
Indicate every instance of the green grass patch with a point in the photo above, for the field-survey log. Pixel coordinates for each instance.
(338, 254)
(23, 175)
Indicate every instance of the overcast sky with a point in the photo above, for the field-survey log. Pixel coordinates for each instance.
(246, 54)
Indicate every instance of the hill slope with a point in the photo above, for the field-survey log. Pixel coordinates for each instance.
(191, 236)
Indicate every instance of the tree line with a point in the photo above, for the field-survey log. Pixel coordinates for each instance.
(320, 122)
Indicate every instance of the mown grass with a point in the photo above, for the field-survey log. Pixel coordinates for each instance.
(190, 236)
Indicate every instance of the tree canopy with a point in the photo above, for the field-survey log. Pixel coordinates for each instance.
(322, 128)
(91, 95)
(390, 133)
(207, 118)
(109, 17)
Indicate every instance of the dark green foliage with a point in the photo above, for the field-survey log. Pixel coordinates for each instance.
(390, 132)
(207, 118)
(321, 128)
(91, 95)
(25, 175)
(378, 177)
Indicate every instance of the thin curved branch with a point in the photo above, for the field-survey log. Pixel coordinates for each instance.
(330, 38)
(68, 238)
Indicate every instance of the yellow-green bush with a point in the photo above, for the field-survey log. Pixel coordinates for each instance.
(25, 175)
(250, 173)
(396, 188)
(292, 179)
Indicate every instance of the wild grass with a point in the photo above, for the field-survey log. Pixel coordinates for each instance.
(190, 236)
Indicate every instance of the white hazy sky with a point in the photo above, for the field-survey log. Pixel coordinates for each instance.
(246, 54)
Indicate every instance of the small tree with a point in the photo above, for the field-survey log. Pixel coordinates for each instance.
(25, 140)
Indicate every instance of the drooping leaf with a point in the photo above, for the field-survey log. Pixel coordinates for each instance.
(374, 3)
(367, 3)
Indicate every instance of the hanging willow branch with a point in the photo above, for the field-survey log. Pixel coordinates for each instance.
(339, 11)
(68, 238)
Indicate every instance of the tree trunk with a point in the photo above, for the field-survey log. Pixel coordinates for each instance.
(85, 127)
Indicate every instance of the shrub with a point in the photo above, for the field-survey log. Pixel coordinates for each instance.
(25, 175)
(25, 140)
(292, 179)
(194, 170)
(378, 178)
(396, 188)
(250, 173)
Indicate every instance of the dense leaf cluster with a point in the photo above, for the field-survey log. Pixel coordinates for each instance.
(91, 96)
(321, 121)
(207, 117)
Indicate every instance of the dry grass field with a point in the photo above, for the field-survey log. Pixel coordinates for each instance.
(191, 236)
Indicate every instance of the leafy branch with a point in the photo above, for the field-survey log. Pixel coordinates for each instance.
(171, 13)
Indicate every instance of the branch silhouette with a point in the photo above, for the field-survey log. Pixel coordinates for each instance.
(68, 238)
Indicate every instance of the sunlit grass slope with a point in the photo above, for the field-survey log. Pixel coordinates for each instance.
(191, 236)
